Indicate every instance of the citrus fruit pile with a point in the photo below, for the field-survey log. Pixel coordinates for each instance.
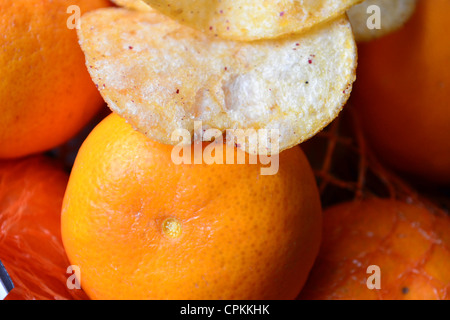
(255, 150)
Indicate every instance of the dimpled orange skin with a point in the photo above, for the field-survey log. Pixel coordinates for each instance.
(403, 94)
(240, 235)
(46, 93)
(409, 244)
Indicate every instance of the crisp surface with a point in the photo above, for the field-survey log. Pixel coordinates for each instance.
(394, 14)
(133, 4)
(252, 19)
(162, 76)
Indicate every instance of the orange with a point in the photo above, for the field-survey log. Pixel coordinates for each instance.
(31, 195)
(409, 244)
(141, 227)
(46, 93)
(403, 94)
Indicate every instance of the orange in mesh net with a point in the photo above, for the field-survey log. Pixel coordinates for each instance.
(385, 222)
(381, 249)
(31, 193)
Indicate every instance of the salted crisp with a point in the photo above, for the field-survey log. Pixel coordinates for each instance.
(162, 76)
(133, 4)
(252, 19)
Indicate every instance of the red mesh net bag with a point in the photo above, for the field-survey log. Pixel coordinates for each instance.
(31, 195)
(31, 249)
(346, 169)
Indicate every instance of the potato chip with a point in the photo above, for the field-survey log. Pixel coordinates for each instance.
(252, 19)
(393, 15)
(163, 77)
(133, 4)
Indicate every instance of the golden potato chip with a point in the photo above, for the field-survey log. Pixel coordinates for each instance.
(252, 19)
(392, 15)
(164, 77)
(133, 4)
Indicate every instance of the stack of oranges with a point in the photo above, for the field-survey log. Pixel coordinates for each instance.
(138, 226)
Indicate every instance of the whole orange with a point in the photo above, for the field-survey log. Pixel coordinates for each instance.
(409, 244)
(141, 227)
(403, 94)
(31, 195)
(46, 93)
